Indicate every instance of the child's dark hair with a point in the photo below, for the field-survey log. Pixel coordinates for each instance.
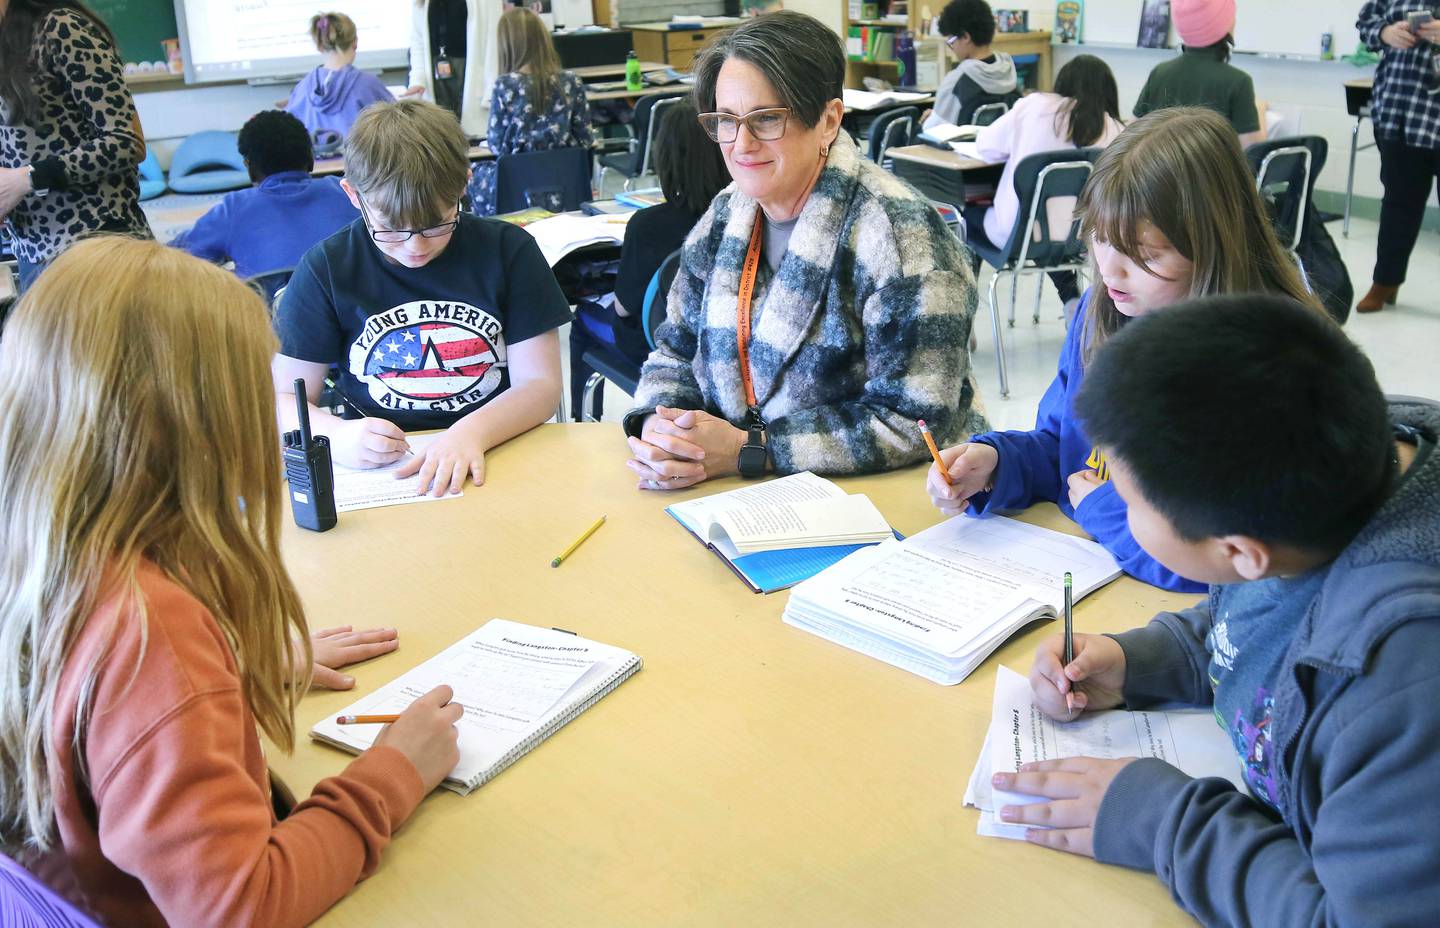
(968, 17)
(1244, 415)
(688, 164)
(272, 141)
(1090, 87)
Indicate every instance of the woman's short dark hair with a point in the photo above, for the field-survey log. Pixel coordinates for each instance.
(272, 141)
(688, 164)
(1090, 86)
(799, 55)
(968, 17)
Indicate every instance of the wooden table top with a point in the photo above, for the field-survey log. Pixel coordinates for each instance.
(750, 774)
(939, 157)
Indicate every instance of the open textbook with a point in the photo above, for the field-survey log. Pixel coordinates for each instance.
(1188, 739)
(865, 100)
(517, 683)
(370, 488)
(777, 533)
(938, 603)
(561, 234)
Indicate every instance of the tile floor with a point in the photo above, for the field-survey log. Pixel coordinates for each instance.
(1403, 341)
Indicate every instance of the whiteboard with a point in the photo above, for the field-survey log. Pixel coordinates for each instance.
(1275, 27)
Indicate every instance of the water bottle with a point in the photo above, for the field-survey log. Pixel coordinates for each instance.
(905, 54)
(634, 80)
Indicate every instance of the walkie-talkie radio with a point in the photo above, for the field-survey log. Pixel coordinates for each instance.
(307, 468)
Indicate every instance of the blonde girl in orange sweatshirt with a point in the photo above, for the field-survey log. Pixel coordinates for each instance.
(147, 626)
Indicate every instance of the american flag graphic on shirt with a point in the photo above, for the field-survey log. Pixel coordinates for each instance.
(409, 358)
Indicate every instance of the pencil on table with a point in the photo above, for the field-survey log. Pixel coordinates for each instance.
(934, 451)
(577, 542)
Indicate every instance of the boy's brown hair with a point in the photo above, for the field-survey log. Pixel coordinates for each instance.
(408, 162)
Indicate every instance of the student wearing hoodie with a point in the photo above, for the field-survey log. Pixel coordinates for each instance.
(268, 227)
(1312, 506)
(982, 76)
(332, 95)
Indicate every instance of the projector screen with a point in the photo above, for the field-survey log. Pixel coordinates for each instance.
(226, 40)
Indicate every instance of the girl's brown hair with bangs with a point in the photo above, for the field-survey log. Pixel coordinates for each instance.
(525, 46)
(1182, 170)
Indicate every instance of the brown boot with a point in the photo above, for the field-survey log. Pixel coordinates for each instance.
(1377, 299)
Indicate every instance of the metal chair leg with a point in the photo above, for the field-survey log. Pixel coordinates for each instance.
(1039, 293)
(587, 410)
(1350, 178)
(1014, 287)
(999, 337)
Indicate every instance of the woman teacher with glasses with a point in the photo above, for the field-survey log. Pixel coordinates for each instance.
(821, 306)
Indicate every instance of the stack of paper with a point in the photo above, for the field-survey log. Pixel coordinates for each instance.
(1188, 739)
(562, 234)
(939, 603)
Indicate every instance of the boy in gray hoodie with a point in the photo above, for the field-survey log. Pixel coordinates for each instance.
(1255, 450)
(982, 76)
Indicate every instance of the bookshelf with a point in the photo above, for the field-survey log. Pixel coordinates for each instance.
(878, 24)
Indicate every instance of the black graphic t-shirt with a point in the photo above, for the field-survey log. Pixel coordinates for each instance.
(421, 347)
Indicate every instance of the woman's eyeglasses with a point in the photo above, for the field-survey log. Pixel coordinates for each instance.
(766, 124)
(396, 236)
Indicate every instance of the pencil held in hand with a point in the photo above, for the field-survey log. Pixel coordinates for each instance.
(1069, 640)
(934, 451)
(365, 719)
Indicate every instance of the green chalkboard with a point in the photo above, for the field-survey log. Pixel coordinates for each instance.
(140, 26)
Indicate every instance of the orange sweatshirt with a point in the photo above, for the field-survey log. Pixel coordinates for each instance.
(175, 825)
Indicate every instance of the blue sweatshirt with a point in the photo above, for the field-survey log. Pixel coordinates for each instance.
(326, 99)
(1036, 465)
(1349, 733)
(267, 228)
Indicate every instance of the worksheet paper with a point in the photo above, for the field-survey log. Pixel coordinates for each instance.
(510, 679)
(1188, 739)
(695, 514)
(842, 520)
(371, 488)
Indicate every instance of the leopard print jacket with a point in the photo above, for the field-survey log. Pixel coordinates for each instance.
(83, 142)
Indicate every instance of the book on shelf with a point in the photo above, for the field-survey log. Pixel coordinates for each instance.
(938, 603)
(777, 533)
(518, 685)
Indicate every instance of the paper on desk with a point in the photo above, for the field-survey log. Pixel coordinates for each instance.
(562, 234)
(1188, 739)
(865, 100)
(378, 486)
(969, 150)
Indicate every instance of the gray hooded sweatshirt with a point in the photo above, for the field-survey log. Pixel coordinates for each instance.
(974, 82)
(1356, 737)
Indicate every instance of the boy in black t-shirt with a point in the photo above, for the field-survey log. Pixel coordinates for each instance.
(435, 318)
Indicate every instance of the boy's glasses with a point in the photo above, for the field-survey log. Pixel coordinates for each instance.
(766, 124)
(396, 236)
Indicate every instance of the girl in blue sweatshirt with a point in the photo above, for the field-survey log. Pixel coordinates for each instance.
(1171, 213)
(332, 95)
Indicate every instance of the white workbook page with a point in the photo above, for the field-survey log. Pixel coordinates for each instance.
(371, 488)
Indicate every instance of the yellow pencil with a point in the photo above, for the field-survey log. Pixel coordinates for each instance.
(577, 542)
(934, 451)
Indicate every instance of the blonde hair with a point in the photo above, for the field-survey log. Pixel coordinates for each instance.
(1182, 170)
(408, 161)
(525, 42)
(137, 424)
(333, 32)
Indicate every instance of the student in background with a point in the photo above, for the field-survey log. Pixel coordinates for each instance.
(332, 95)
(70, 142)
(1082, 112)
(436, 318)
(982, 76)
(452, 57)
(691, 171)
(535, 105)
(149, 627)
(1202, 75)
(1405, 110)
(1170, 213)
(1311, 505)
(268, 227)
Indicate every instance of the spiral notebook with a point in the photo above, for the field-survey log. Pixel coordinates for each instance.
(518, 685)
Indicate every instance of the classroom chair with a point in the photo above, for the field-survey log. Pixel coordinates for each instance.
(1047, 184)
(271, 284)
(25, 902)
(892, 128)
(557, 180)
(208, 162)
(152, 179)
(1285, 173)
(635, 163)
(985, 115)
(1357, 104)
(607, 364)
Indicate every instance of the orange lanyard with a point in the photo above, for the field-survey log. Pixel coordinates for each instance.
(742, 310)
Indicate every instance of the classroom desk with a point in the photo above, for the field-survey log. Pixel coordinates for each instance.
(941, 174)
(935, 157)
(751, 774)
(336, 165)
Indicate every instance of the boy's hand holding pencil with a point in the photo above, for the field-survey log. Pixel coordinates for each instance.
(1094, 679)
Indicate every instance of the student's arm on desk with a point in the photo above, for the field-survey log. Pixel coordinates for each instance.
(531, 399)
(996, 141)
(1102, 514)
(1372, 857)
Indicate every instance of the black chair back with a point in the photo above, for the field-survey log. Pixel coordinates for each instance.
(557, 180)
(988, 113)
(1041, 179)
(653, 313)
(271, 283)
(892, 127)
(1285, 172)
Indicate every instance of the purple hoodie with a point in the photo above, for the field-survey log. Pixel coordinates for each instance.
(332, 99)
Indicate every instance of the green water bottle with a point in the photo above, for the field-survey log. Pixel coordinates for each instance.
(634, 80)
